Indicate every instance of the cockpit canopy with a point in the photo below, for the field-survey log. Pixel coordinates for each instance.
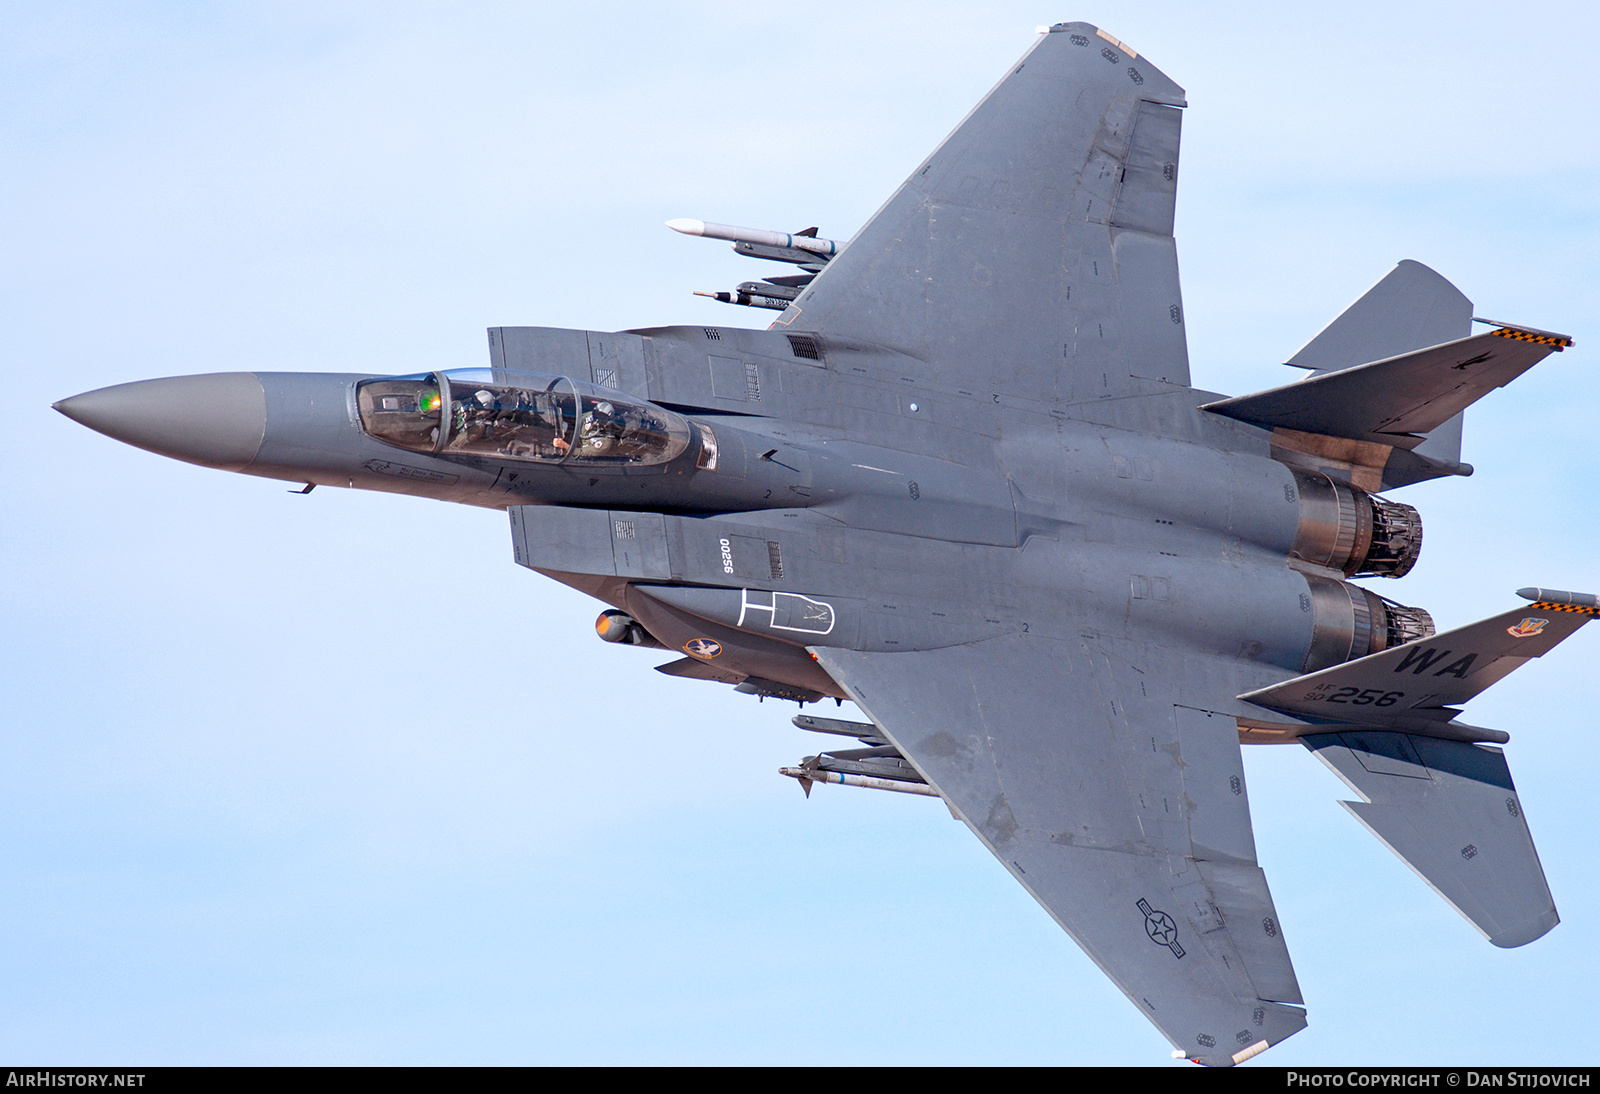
(525, 416)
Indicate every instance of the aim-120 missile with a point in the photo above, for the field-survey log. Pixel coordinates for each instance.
(807, 242)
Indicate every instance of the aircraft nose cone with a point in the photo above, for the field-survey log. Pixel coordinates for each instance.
(217, 420)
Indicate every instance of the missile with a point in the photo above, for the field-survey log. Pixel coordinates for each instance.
(812, 263)
(864, 732)
(758, 294)
(746, 299)
(807, 776)
(765, 288)
(1561, 598)
(798, 242)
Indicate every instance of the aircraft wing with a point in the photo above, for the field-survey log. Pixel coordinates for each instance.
(1031, 255)
(1122, 811)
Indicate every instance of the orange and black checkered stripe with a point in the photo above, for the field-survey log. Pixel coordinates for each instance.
(1537, 339)
(1546, 606)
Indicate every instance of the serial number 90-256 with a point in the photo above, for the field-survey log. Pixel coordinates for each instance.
(1375, 697)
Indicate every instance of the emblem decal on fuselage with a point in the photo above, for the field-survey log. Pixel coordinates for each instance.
(703, 648)
(1527, 628)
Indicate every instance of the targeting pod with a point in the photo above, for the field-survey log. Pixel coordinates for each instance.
(623, 629)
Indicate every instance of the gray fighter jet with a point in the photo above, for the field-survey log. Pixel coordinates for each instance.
(964, 482)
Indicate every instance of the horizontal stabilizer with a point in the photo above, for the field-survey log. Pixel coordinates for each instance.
(1449, 810)
(1412, 307)
(1416, 686)
(1398, 400)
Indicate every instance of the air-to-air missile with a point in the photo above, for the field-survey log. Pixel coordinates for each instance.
(755, 294)
(803, 249)
(799, 241)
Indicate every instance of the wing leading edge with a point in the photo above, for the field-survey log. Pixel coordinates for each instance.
(1122, 811)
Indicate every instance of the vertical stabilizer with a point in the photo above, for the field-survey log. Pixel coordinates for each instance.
(1410, 308)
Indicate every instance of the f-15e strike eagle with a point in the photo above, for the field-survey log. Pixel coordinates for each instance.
(964, 482)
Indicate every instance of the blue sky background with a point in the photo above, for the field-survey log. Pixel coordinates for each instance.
(328, 779)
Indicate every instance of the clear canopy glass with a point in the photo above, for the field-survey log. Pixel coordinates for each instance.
(525, 416)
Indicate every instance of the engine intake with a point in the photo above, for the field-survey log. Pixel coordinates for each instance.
(1345, 528)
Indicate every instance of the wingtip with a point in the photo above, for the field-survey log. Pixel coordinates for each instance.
(1523, 333)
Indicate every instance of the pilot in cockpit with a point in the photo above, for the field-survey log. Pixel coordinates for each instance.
(478, 416)
(602, 428)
